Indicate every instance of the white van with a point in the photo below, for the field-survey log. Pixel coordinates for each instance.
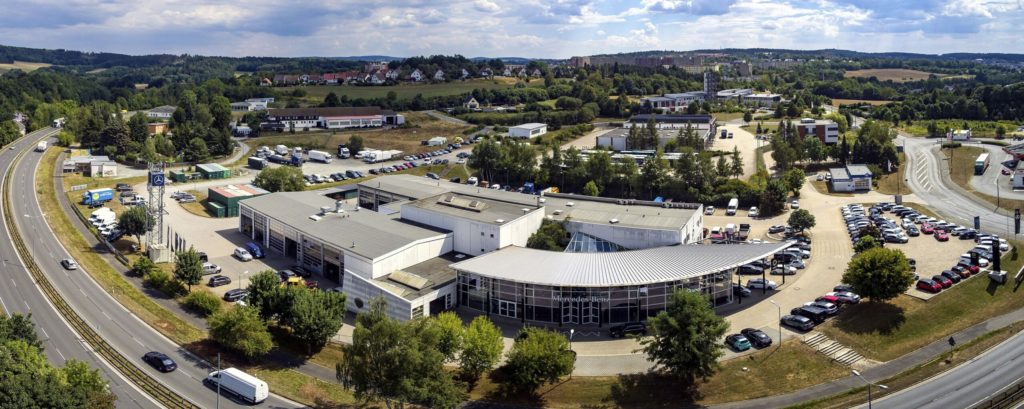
(247, 387)
(472, 181)
(734, 204)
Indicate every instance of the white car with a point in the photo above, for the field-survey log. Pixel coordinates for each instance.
(966, 259)
(795, 204)
(761, 283)
(471, 181)
(243, 254)
(710, 210)
(752, 212)
(821, 177)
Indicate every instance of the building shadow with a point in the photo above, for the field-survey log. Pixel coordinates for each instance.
(870, 317)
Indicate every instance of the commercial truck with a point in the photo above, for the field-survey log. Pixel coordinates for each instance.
(246, 387)
(281, 149)
(981, 164)
(97, 196)
(320, 156)
(343, 152)
(257, 162)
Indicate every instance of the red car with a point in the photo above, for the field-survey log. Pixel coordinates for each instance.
(941, 235)
(961, 271)
(945, 282)
(927, 228)
(829, 298)
(927, 285)
(971, 268)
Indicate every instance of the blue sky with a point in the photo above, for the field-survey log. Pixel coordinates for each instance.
(527, 28)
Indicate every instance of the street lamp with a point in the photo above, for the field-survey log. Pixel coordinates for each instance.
(243, 275)
(855, 372)
(780, 320)
(572, 332)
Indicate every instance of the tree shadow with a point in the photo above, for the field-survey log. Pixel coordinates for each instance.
(653, 390)
(871, 317)
(511, 394)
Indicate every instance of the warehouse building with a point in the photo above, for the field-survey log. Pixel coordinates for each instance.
(429, 246)
(304, 119)
(852, 178)
(527, 131)
(213, 171)
(222, 201)
(668, 127)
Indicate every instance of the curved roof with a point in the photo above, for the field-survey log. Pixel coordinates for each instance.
(623, 268)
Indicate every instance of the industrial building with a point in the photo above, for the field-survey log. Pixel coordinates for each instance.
(304, 119)
(213, 171)
(91, 166)
(429, 246)
(668, 127)
(526, 131)
(852, 178)
(222, 201)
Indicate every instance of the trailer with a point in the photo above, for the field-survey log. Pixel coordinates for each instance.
(257, 163)
(320, 156)
(981, 164)
(97, 196)
(281, 149)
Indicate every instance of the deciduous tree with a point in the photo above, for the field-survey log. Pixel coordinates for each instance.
(801, 219)
(879, 274)
(135, 221)
(685, 338)
(241, 329)
(281, 179)
(538, 356)
(482, 347)
(315, 316)
(188, 268)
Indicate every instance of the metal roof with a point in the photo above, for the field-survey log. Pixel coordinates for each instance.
(473, 207)
(858, 170)
(363, 232)
(839, 174)
(211, 167)
(239, 190)
(623, 268)
(531, 125)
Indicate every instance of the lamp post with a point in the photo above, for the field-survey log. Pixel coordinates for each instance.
(856, 373)
(243, 275)
(780, 320)
(572, 332)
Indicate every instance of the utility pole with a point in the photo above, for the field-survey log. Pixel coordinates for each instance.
(218, 380)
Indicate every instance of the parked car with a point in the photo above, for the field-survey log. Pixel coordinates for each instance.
(710, 210)
(795, 204)
(830, 308)
(69, 264)
(843, 288)
(757, 337)
(235, 294)
(753, 212)
(941, 235)
(961, 271)
(160, 361)
(761, 283)
(778, 228)
(210, 268)
(740, 290)
(845, 297)
(928, 285)
(954, 277)
(738, 342)
(632, 328)
(242, 254)
(799, 322)
(218, 280)
(942, 280)
(254, 250)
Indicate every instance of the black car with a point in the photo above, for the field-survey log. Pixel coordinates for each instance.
(798, 322)
(160, 361)
(632, 328)
(757, 337)
(235, 294)
(815, 313)
(286, 274)
(913, 231)
(843, 287)
(123, 187)
(301, 271)
(740, 290)
(218, 280)
(968, 235)
(952, 276)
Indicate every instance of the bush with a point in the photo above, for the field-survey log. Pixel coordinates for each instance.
(156, 279)
(950, 145)
(203, 302)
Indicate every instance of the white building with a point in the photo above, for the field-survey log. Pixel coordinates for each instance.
(852, 178)
(826, 131)
(161, 112)
(959, 135)
(526, 131)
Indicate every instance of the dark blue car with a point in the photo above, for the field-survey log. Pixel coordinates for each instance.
(254, 249)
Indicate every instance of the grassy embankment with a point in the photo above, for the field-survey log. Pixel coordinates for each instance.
(961, 170)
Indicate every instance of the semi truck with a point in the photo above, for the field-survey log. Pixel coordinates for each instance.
(343, 152)
(981, 164)
(246, 387)
(281, 149)
(59, 122)
(320, 156)
(41, 146)
(97, 196)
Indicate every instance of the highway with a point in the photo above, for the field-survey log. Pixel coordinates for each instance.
(128, 334)
(967, 384)
(19, 294)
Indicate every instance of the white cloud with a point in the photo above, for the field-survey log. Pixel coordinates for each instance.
(486, 6)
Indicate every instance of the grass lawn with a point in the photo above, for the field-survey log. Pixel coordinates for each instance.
(407, 140)
(961, 170)
(791, 367)
(316, 93)
(896, 74)
(24, 66)
(892, 183)
(839, 101)
(727, 116)
(885, 331)
(766, 127)
(979, 129)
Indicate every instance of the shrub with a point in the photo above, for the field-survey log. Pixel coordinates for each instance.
(950, 145)
(156, 279)
(203, 302)
(173, 288)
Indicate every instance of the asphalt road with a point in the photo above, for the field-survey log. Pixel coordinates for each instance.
(967, 384)
(19, 294)
(128, 334)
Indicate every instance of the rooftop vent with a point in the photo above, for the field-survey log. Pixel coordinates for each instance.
(570, 204)
(557, 212)
(525, 210)
(542, 200)
(613, 221)
(325, 209)
(337, 206)
(500, 221)
(315, 218)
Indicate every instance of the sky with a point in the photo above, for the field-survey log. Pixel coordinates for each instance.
(502, 28)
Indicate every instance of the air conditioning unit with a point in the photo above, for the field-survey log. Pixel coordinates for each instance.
(613, 221)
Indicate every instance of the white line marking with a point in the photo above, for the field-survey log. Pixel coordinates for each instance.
(13, 283)
(26, 305)
(61, 355)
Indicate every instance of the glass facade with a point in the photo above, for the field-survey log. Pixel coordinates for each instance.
(582, 305)
(585, 243)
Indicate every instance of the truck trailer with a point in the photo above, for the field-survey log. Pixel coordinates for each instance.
(97, 196)
(257, 162)
(320, 156)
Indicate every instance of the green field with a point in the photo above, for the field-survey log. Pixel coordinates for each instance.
(403, 91)
(979, 129)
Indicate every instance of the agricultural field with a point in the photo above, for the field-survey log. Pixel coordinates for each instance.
(897, 74)
(405, 139)
(22, 65)
(837, 102)
(316, 93)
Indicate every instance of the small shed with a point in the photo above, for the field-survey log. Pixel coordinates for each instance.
(180, 176)
(213, 171)
(222, 201)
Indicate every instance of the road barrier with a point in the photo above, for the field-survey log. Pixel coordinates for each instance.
(133, 373)
(1006, 398)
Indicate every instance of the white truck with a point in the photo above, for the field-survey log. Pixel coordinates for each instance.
(734, 204)
(59, 122)
(246, 387)
(320, 156)
(281, 149)
(41, 146)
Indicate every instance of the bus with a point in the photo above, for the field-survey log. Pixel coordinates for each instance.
(981, 164)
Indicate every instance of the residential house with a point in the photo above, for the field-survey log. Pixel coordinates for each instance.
(378, 77)
(155, 128)
(416, 75)
(331, 78)
(392, 75)
(485, 73)
(507, 72)
(472, 104)
(283, 79)
(464, 74)
(266, 82)
(311, 79)
(439, 75)
(536, 73)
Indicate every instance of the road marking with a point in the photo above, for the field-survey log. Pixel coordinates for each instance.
(44, 332)
(106, 315)
(29, 309)
(6, 311)
(61, 355)
(13, 283)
